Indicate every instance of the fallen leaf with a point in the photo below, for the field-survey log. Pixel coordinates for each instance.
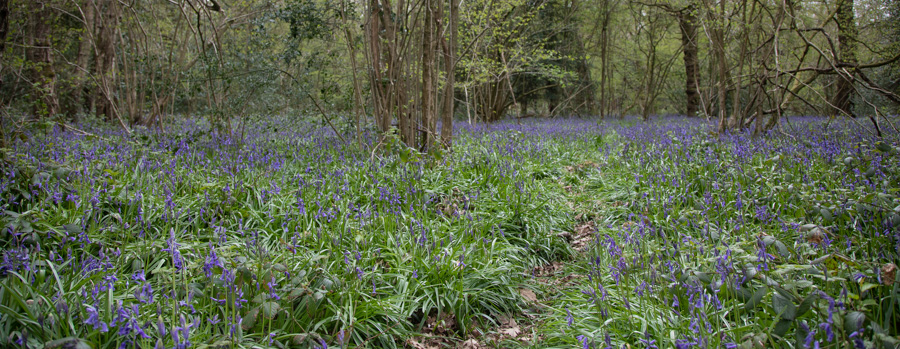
(469, 344)
(528, 294)
(415, 344)
(512, 332)
(585, 229)
(565, 235)
(816, 236)
(506, 321)
(889, 274)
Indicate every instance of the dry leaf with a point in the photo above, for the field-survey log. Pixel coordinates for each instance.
(528, 294)
(512, 332)
(584, 229)
(888, 274)
(506, 321)
(816, 236)
(469, 344)
(415, 344)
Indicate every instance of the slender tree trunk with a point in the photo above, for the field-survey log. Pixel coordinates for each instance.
(39, 54)
(82, 61)
(736, 120)
(647, 103)
(846, 21)
(687, 22)
(450, 63)
(4, 30)
(428, 75)
(604, 59)
(760, 117)
(377, 76)
(718, 47)
(105, 64)
(357, 91)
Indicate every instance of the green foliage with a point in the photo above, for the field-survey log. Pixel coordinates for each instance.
(289, 237)
(753, 242)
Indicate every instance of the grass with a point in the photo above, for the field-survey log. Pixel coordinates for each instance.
(663, 236)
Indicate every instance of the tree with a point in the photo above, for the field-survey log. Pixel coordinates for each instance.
(105, 62)
(687, 25)
(85, 49)
(450, 60)
(846, 23)
(392, 74)
(40, 56)
(4, 32)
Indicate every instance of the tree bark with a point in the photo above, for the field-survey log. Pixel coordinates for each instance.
(39, 54)
(82, 61)
(428, 58)
(450, 67)
(105, 63)
(4, 30)
(687, 22)
(605, 84)
(736, 120)
(718, 47)
(846, 22)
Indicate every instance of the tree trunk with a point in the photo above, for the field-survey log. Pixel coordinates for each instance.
(4, 30)
(450, 64)
(82, 61)
(846, 22)
(105, 64)
(428, 79)
(687, 22)
(718, 47)
(736, 121)
(650, 74)
(604, 60)
(39, 54)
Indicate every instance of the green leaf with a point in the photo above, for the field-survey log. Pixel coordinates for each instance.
(854, 321)
(270, 309)
(295, 293)
(806, 304)
(67, 343)
(782, 249)
(867, 286)
(72, 228)
(782, 327)
(784, 306)
(250, 319)
(756, 298)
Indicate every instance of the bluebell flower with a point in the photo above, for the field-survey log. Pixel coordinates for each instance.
(93, 319)
(649, 343)
(828, 332)
(585, 344)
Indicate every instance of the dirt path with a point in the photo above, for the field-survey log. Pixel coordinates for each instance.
(546, 284)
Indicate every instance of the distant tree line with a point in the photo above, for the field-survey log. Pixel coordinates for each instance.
(405, 67)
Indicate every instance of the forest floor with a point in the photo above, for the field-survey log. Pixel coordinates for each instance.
(539, 233)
